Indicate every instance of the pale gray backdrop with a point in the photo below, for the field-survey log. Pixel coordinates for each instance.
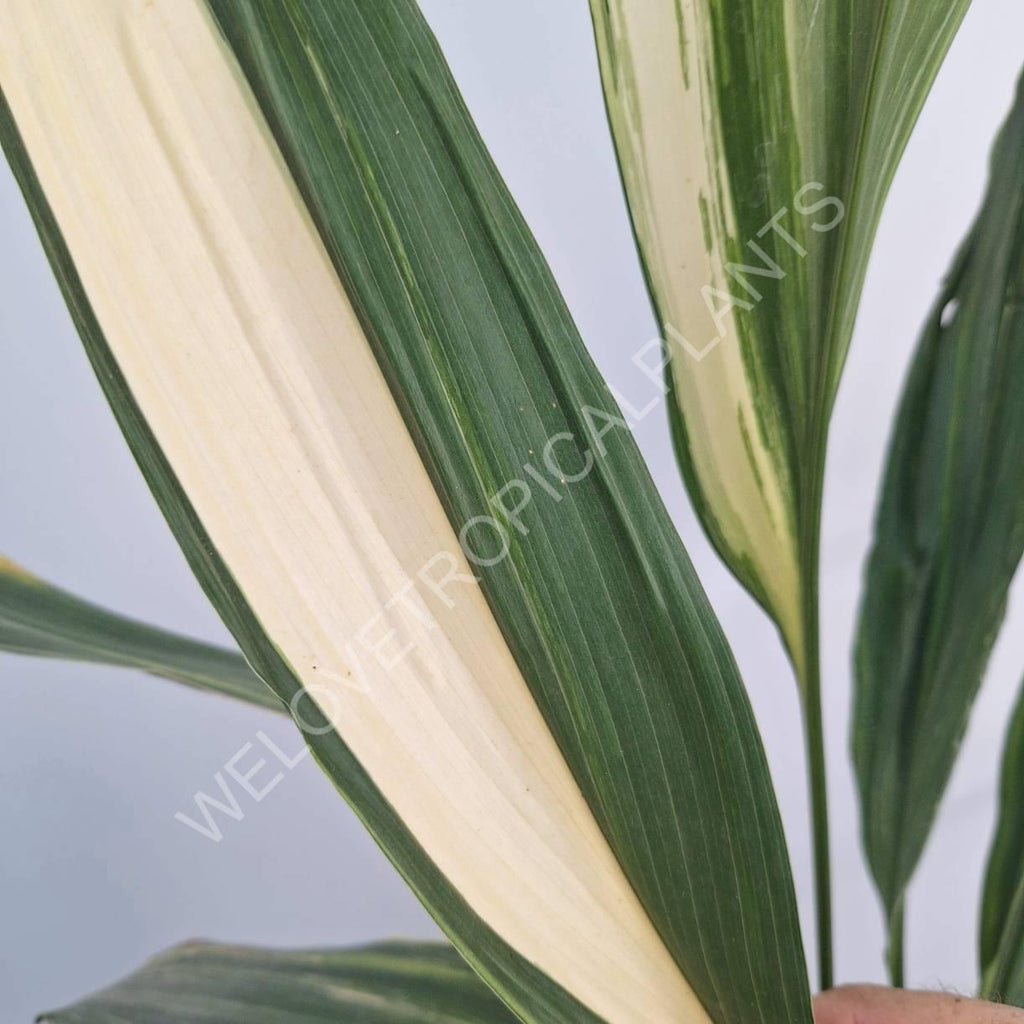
(96, 873)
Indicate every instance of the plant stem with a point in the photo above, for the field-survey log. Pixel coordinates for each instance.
(815, 739)
(814, 729)
(894, 953)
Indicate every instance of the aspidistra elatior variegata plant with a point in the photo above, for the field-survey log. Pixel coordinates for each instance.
(354, 389)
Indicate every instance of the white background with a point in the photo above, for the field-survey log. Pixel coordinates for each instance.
(96, 874)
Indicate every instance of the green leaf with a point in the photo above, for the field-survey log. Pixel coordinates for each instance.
(948, 537)
(42, 620)
(388, 983)
(325, 392)
(1002, 906)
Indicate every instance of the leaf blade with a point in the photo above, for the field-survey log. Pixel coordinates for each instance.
(524, 986)
(948, 537)
(418, 983)
(756, 145)
(454, 368)
(41, 620)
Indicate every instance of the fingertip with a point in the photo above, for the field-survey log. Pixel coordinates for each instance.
(847, 1004)
(871, 1004)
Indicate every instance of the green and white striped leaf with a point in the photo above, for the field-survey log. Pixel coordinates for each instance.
(389, 983)
(334, 348)
(1002, 906)
(757, 141)
(948, 537)
(39, 619)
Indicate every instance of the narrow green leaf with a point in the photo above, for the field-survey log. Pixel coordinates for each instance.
(42, 620)
(1002, 907)
(948, 537)
(249, 383)
(389, 983)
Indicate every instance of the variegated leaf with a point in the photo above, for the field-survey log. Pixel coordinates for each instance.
(359, 399)
(757, 140)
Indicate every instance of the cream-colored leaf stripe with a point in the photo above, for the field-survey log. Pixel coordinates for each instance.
(243, 352)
